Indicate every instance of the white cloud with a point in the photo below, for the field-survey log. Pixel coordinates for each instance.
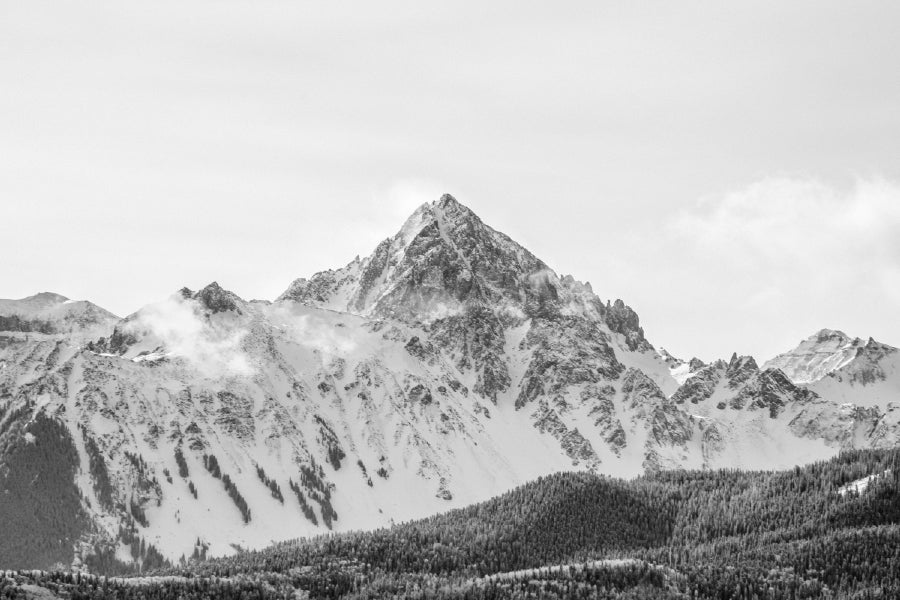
(802, 230)
(179, 327)
(783, 257)
(404, 195)
(329, 337)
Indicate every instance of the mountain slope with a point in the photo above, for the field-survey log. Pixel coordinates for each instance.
(817, 356)
(831, 363)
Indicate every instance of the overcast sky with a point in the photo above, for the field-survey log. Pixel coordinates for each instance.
(730, 169)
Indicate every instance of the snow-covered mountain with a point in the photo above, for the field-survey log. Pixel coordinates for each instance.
(52, 313)
(818, 355)
(446, 367)
(843, 369)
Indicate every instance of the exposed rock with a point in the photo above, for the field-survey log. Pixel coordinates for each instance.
(217, 299)
(547, 420)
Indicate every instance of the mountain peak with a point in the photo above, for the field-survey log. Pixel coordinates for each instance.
(443, 258)
(825, 335)
(445, 261)
(450, 208)
(48, 297)
(443, 213)
(448, 201)
(822, 353)
(741, 363)
(217, 299)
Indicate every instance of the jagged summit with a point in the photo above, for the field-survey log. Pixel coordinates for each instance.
(446, 261)
(217, 299)
(442, 258)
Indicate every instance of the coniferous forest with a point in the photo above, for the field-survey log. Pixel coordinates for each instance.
(727, 534)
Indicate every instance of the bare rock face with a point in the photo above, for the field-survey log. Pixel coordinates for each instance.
(216, 299)
(443, 258)
(841, 426)
(576, 447)
(476, 340)
(622, 319)
(740, 369)
(701, 386)
(771, 390)
(872, 363)
(578, 352)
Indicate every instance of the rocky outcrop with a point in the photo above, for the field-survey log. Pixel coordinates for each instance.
(580, 450)
(622, 319)
(216, 299)
(701, 386)
(818, 355)
(770, 390)
(563, 353)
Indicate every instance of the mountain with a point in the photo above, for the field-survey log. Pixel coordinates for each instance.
(53, 313)
(445, 368)
(818, 355)
(845, 370)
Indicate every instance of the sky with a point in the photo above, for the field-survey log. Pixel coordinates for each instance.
(730, 170)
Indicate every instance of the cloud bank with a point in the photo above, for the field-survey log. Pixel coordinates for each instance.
(783, 257)
(179, 327)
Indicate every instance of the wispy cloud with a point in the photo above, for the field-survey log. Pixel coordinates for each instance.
(327, 337)
(788, 231)
(180, 327)
(784, 255)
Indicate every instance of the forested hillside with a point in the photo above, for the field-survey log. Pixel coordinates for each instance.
(828, 530)
(41, 515)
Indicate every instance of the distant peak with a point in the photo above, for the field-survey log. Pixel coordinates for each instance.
(216, 298)
(742, 362)
(214, 286)
(48, 298)
(823, 335)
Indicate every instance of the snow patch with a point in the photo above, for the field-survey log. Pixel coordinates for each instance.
(860, 485)
(557, 569)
